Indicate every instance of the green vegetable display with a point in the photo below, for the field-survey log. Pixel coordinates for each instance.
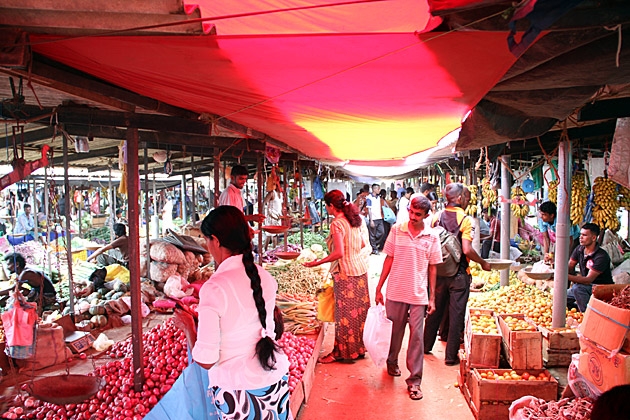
(309, 239)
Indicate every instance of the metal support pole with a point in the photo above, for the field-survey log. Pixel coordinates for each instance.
(47, 213)
(35, 211)
(285, 202)
(505, 218)
(217, 174)
(80, 189)
(260, 205)
(147, 216)
(183, 197)
(112, 205)
(155, 219)
(299, 185)
(66, 184)
(134, 257)
(563, 227)
(193, 202)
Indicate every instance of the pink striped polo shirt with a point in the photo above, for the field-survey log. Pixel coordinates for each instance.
(408, 279)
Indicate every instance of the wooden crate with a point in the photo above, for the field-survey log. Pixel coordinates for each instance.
(483, 350)
(303, 389)
(99, 221)
(309, 370)
(523, 349)
(491, 399)
(556, 358)
(486, 411)
(560, 339)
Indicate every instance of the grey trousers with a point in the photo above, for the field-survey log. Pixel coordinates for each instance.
(399, 313)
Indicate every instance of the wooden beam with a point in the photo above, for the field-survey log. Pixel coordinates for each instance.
(32, 136)
(108, 151)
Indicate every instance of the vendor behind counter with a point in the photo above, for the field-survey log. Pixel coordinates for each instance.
(37, 281)
(117, 251)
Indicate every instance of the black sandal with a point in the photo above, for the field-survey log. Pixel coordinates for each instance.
(415, 393)
(329, 358)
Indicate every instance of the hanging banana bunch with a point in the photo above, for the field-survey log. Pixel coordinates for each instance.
(519, 210)
(625, 197)
(489, 195)
(579, 196)
(553, 191)
(472, 208)
(606, 204)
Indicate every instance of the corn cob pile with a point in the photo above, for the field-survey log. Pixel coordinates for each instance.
(299, 311)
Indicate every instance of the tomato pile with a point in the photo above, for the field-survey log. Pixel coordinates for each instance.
(519, 324)
(164, 357)
(299, 351)
(483, 324)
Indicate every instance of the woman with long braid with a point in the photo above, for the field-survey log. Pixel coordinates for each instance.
(349, 269)
(236, 339)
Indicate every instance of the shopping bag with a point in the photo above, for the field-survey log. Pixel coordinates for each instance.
(18, 321)
(377, 334)
(388, 215)
(326, 304)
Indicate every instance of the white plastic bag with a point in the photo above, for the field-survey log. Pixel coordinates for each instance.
(377, 334)
(177, 287)
(102, 343)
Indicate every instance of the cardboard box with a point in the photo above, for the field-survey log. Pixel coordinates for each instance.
(79, 341)
(605, 324)
(602, 370)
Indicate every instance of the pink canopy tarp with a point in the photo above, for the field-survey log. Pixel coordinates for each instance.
(358, 84)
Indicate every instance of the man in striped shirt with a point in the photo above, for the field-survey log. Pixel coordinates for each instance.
(412, 249)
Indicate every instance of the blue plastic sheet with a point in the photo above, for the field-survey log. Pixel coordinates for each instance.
(187, 399)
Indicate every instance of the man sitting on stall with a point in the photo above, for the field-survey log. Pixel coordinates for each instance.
(594, 267)
(35, 279)
(24, 229)
(118, 249)
(547, 212)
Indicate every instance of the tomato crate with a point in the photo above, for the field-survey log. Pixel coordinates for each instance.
(523, 349)
(490, 399)
(483, 349)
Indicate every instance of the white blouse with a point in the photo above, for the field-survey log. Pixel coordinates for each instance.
(229, 328)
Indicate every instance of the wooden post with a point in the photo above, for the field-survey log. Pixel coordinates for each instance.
(47, 213)
(147, 217)
(134, 257)
(259, 183)
(66, 184)
(80, 189)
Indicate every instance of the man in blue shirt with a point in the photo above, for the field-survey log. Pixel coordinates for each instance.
(547, 212)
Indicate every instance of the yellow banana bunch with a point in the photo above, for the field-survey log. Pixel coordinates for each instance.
(553, 191)
(625, 197)
(606, 204)
(489, 195)
(472, 208)
(519, 210)
(579, 195)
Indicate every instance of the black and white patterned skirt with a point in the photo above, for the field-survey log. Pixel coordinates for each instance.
(268, 403)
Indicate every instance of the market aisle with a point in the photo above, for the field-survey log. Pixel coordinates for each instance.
(362, 391)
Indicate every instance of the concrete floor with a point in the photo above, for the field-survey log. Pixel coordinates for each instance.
(363, 391)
